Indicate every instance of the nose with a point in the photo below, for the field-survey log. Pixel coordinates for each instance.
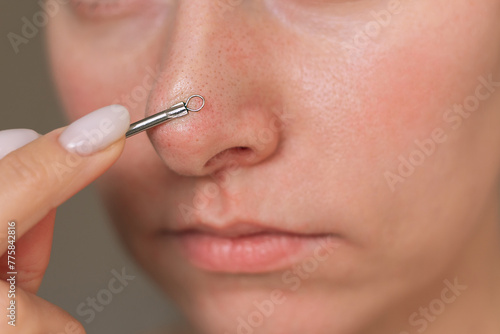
(220, 58)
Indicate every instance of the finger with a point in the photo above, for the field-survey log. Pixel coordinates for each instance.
(32, 255)
(32, 314)
(11, 140)
(46, 172)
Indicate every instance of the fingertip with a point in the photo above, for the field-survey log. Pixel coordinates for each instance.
(96, 131)
(12, 139)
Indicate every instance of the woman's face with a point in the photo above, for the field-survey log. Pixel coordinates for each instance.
(344, 162)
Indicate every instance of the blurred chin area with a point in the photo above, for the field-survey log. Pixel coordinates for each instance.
(89, 275)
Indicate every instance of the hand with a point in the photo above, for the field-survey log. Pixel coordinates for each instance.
(34, 180)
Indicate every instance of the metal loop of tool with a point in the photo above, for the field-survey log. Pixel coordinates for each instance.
(197, 109)
(176, 111)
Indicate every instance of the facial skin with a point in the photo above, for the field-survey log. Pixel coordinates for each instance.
(315, 118)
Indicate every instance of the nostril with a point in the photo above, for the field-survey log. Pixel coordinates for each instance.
(241, 148)
(238, 155)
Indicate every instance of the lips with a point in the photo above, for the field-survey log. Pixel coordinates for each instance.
(244, 248)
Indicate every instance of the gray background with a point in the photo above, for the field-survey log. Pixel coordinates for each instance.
(85, 249)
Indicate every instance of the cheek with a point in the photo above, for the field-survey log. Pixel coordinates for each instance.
(89, 84)
(403, 95)
(423, 70)
(365, 115)
(372, 109)
(94, 66)
(408, 79)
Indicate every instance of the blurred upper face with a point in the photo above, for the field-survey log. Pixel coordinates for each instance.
(345, 158)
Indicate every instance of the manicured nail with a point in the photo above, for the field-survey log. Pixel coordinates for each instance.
(96, 131)
(11, 140)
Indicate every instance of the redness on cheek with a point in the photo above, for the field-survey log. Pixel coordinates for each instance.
(89, 86)
(89, 77)
(405, 95)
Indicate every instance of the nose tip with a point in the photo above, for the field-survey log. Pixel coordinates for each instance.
(205, 142)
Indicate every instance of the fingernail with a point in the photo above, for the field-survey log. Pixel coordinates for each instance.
(11, 140)
(96, 131)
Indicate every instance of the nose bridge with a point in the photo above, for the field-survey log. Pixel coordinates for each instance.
(194, 54)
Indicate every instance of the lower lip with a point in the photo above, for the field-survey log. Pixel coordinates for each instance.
(263, 252)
